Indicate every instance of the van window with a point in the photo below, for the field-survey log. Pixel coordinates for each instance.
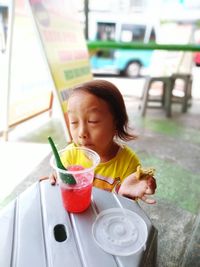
(106, 31)
(131, 32)
(152, 37)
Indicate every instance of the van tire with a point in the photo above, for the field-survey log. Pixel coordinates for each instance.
(133, 69)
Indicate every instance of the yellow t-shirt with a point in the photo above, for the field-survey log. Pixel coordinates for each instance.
(110, 173)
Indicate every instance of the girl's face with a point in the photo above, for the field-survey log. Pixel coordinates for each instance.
(91, 123)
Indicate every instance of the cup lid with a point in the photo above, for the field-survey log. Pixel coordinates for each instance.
(119, 231)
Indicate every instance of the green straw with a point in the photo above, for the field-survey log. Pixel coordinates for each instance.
(66, 178)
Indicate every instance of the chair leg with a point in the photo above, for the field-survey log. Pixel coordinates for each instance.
(187, 88)
(187, 93)
(169, 83)
(145, 96)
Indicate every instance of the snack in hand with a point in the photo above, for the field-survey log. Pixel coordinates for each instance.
(144, 173)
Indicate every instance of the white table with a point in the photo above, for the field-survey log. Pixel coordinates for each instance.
(27, 227)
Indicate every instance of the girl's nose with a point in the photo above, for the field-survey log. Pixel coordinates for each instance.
(83, 132)
(82, 135)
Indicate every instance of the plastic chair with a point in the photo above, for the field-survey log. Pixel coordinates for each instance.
(167, 68)
(167, 94)
(158, 100)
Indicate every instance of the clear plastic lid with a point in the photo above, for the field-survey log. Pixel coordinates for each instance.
(119, 231)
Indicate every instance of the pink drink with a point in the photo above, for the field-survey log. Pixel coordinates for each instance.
(80, 162)
(77, 198)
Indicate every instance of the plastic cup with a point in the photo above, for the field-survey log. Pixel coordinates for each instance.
(80, 163)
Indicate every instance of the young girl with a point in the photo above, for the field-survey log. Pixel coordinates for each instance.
(98, 120)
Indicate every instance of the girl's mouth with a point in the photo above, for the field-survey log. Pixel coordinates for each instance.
(85, 145)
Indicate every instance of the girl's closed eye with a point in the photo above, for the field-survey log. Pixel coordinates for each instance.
(93, 121)
(73, 122)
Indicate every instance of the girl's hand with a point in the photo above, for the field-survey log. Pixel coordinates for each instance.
(52, 178)
(133, 188)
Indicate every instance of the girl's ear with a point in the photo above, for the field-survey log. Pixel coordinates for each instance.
(116, 133)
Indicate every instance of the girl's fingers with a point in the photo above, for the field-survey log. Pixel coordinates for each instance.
(43, 178)
(151, 182)
(148, 200)
(52, 179)
(149, 191)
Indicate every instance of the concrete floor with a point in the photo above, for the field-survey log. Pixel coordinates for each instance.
(172, 146)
